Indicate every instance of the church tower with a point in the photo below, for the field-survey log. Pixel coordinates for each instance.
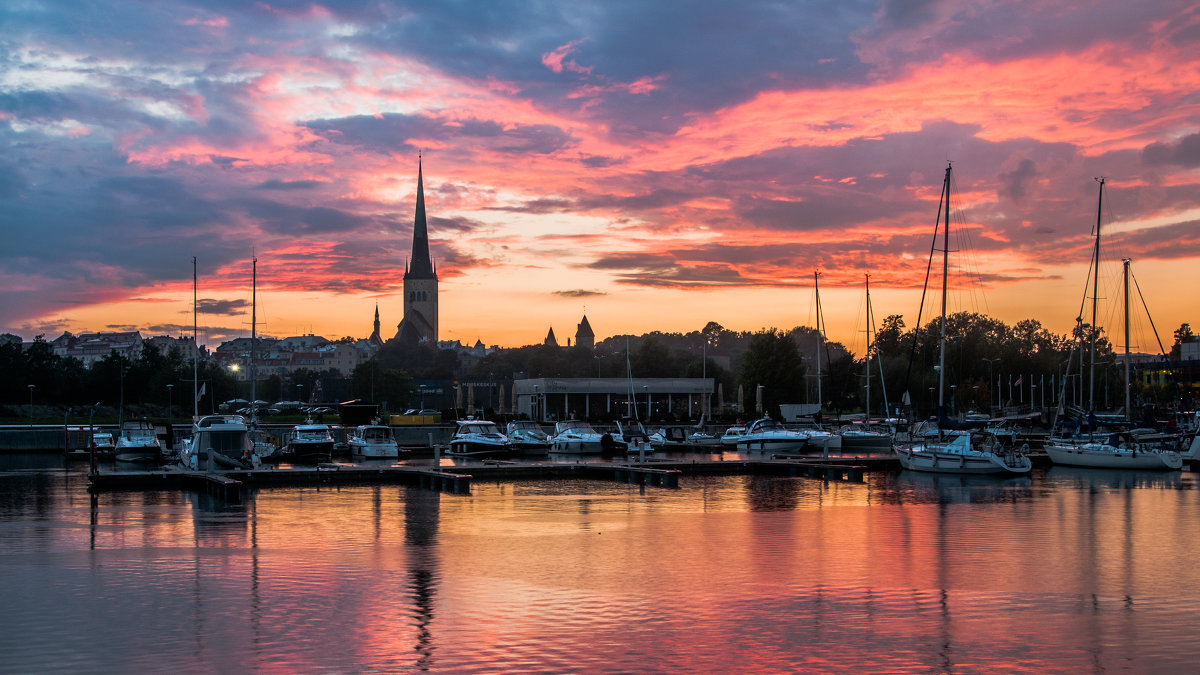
(584, 337)
(420, 321)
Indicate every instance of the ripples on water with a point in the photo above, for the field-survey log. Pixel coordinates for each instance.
(1066, 571)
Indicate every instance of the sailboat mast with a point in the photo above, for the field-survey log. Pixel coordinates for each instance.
(817, 289)
(1095, 296)
(196, 349)
(945, 274)
(867, 360)
(1127, 411)
(253, 335)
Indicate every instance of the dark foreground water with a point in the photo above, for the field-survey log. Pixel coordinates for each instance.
(1067, 571)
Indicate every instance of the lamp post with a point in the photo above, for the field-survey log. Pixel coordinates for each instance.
(990, 362)
(170, 406)
(31, 386)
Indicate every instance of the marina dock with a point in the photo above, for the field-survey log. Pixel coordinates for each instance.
(458, 479)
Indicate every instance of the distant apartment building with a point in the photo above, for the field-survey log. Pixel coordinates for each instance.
(90, 348)
(283, 357)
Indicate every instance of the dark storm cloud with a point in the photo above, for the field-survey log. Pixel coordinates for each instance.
(386, 133)
(1013, 183)
(1184, 153)
(578, 293)
(279, 218)
(928, 29)
(224, 307)
(288, 184)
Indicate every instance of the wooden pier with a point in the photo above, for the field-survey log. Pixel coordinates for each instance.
(228, 484)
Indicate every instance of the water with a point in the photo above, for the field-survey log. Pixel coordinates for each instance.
(1066, 571)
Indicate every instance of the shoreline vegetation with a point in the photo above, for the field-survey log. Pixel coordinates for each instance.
(990, 365)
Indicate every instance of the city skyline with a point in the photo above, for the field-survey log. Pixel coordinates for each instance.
(653, 166)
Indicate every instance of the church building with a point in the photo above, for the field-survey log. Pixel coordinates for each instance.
(420, 322)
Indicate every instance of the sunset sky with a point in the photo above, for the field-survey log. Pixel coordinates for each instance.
(658, 165)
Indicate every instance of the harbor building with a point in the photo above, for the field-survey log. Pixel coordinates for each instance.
(560, 398)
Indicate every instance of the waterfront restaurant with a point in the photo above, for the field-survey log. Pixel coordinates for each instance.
(551, 399)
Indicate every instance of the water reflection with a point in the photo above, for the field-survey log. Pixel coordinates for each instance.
(1112, 479)
(916, 487)
(904, 573)
(422, 512)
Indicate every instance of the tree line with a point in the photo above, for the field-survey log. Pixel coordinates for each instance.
(984, 357)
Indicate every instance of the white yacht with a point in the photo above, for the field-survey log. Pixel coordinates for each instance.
(218, 442)
(478, 438)
(955, 449)
(576, 437)
(730, 438)
(980, 453)
(310, 442)
(1119, 450)
(138, 442)
(371, 441)
(865, 437)
(669, 437)
(768, 435)
(526, 438)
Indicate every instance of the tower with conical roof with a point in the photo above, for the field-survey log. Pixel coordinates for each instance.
(420, 321)
(584, 337)
(376, 339)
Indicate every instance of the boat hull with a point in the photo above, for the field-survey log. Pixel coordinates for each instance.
(374, 450)
(477, 449)
(866, 442)
(311, 453)
(1112, 458)
(938, 461)
(771, 444)
(529, 448)
(140, 454)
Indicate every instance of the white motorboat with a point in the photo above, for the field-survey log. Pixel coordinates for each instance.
(864, 437)
(1119, 450)
(371, 441)
(478, 438)
(980, 453)
(576, 437)
(102, 441)
(138, 442)
(669, 437)
(310, 443)
(730, 438)
(265, 447)
(768, 435)
(218, 442)
(526, 438)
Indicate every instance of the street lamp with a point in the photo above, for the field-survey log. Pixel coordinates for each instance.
(989, 362)
(31, 386)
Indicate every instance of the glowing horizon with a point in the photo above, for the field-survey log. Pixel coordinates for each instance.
(660, 173)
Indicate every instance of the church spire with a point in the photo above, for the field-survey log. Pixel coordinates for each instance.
(420, 266)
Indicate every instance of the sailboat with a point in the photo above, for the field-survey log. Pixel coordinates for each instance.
(1117, 449)
(958, 450)
(264, 449)
(864, 437)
